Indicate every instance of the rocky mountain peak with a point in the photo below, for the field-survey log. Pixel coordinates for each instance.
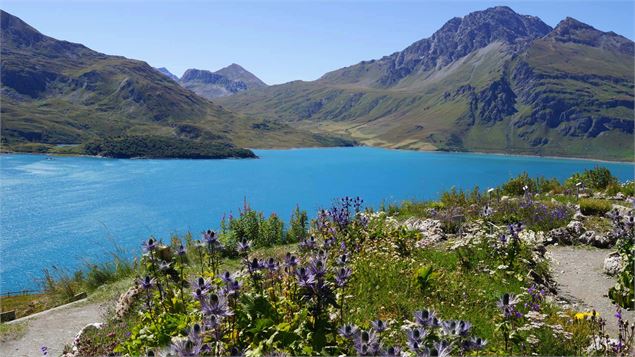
(574, 31)
(461, 36)
(236, 72)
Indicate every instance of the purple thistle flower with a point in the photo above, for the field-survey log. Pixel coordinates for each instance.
(442, 349)
(198, 294)
(181, 251)
(477, 343)
(146, 283)
(507, 305)
(290, 261)
(216, 305)
(424, 318)
(317, 266)
(201, 283)
(227, 277)
(392, 351)
(244, 246)
(149, 245)
(309, 243)
(342, 259)
(366, 343)
(378, 325)
(271, 264)
(305, 277)
(417, 334)
(341, 276)
(348, 331)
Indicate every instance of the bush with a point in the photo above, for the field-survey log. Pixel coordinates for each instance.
(298, 227)
(598, 178)
(593, 207)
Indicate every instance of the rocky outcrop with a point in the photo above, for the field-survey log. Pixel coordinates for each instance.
(613, 264)
(431, 230)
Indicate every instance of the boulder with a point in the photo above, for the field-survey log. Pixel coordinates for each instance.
(619, 197)
(431, 230)
(613, 264)
(578, 216)
(576, 227)
(596, 240)
(560, 235)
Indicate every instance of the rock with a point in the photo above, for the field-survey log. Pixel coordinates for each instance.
(560, 235)
(431, 230)
(578, 216)
(576, 227)
(504, 198)
(613, 264)
(583, 195)
(531, 237)
(126, 300)
(75, 346)
(623, 211)
(619, 197)
(597, 240)
(599, 195)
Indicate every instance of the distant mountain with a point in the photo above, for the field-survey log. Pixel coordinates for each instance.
(169, 74)
(235, 72)
(56, 92)
(227, 81)
(493, 81)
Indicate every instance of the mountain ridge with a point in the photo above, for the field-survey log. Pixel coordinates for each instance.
(60, 93)
(497, 82)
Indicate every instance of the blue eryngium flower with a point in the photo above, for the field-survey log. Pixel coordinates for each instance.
(181, 251)
(149, 245)
(392, 351)
(416, 334)
(216, 305)
(378, 325)
(456, 328)
(426, 318)
(348, 331)
(305, 277)
(342, 259)
(341, 276)
(290, 261)
(477, 343)
(366, 343)
(317, 266)
(441, 349)
(271, 264)
(243, 246)
(227, 277)
(146, 283)
(507, 304)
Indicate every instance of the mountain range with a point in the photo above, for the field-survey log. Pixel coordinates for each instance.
(491, 81)
(226, 81)
(59, 96)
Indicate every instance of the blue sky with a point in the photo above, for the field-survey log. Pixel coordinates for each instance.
(277, 41)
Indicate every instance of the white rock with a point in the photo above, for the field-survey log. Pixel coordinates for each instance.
(613, 264)
(576, 227)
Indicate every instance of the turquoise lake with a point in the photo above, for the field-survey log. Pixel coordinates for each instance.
(68, 210)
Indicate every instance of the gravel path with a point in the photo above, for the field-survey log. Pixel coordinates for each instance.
(52, 328)
(578, 272)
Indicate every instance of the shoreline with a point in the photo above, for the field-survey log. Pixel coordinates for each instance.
(456, 152)
(333, 147)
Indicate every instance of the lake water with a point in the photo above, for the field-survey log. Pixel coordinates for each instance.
(70, 209)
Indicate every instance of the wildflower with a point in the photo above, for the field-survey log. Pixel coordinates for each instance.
(227, 277)
(342, 259)
(290, 261)
(477, 343)
(442, 349)
(216, 305)
(378, 325)
(507, 304)
(202, 284)
(309, 243)
(150, 245)
(164, 266)
(424, 317)
(198, 294)
(348, 331)
(271, 264)
(244, 246)
(255, 265)
(181, 251)
(366, 343)
(194, 334)
(305, 278)
(317, 266)
(417, 334)
(342, 275)
(392, 351)
(146, 283)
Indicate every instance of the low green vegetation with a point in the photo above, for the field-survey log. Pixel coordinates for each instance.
(594, 207)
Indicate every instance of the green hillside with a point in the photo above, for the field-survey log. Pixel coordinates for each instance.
(524, 88)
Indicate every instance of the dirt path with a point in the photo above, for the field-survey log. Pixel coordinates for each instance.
(52, 328)
(578, 272)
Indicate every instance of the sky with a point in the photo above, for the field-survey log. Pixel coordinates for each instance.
(277, 41)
